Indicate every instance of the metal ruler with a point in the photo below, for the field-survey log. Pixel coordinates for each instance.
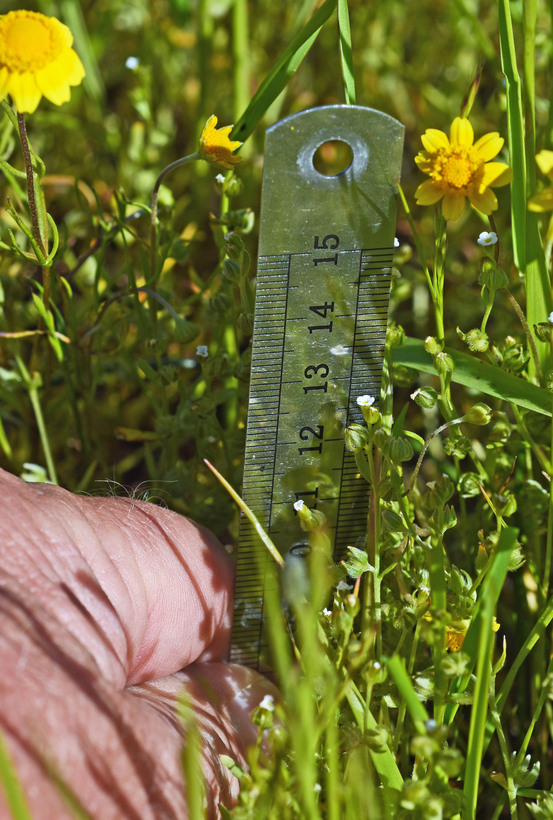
(323, 281)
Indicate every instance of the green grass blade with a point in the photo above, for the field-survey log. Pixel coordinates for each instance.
(397, 671)
(477, 375)
(491, 588)
(515, 123)
(278, 78)
(191, 758)
(538, 631)
(478, 645)
(383, 760)
(538, 288)
(72, 15)
(346, 53)
(11, 786)
(246, 510)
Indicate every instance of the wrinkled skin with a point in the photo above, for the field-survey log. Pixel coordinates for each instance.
(110, 609)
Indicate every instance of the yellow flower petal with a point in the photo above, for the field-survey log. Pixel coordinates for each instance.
(55, 80)
(484, 201)
(24, 92)
(453, 205)
(215, 145)
(461, 132)
(496, 174)
(433, 139)
(428, 193)
(454, 640)
(545, 162)
(36, 59)
(4, 82)
(488, 146)
(425, 162)
(541, 202)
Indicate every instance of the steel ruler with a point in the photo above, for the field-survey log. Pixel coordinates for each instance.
(323, 281)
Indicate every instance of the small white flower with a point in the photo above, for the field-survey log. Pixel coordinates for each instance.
(365, 401)
(268, 703)
(550, 318)
(202, 350)
(486, 238)
(132, 63)
(326, 612)
(298, 505)
(317, 788)
(219, 179)
(342, 586)
(396, 242)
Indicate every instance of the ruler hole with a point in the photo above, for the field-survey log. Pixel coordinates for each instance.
(332, 158)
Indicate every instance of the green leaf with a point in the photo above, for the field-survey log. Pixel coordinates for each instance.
(477, 375)
(478, 645)
(11, 786)
(346, 54)
(396, 668)
(278, 78)
(384, 761)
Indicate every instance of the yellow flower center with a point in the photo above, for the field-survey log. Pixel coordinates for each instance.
(29, 41)
(457, 170)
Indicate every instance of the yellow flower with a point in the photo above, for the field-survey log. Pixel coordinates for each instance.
(36, 60)
(456, 630)
(459, 168)
(544, 200)
(454, 639)
(215, 145)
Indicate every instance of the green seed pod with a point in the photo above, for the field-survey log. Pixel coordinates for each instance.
(395, 335)
(491, 277)
(515, 357)
(444, 364)
(543, 331)
(439, 492)
(377, 738)
(231, 270)
(380, 438)
(425, 397)
(233, 245)
(477, 340)
(479, 414)
(398, 449)
(220, 303)
(309, 519)
(233, 186)
(433, 346)
(356, 436)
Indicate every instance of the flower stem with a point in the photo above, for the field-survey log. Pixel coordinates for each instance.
(32, 383)
(439, 275)
(31, 190)
(155, 195)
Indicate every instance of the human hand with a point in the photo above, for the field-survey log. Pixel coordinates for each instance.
(110, 609)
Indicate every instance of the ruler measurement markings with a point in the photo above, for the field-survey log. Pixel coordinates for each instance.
(311, 236)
